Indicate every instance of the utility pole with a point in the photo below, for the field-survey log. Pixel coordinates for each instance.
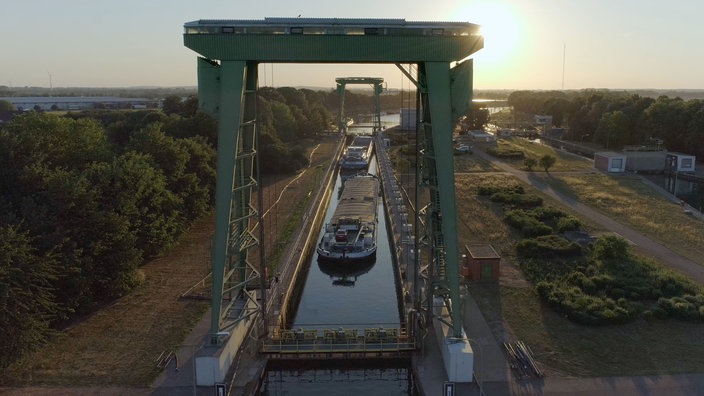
(564, 48)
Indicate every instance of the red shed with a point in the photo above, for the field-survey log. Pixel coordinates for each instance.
(481, 262)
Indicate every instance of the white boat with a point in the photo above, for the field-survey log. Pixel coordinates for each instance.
(351, 233)
(358, 154)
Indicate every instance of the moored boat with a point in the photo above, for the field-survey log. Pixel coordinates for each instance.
(351, 233)
(358, 154)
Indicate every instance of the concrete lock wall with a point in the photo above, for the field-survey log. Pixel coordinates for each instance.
(213, 361)
(457, 354)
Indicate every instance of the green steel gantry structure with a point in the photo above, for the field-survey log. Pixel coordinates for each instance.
(378, 89)
(231, 51)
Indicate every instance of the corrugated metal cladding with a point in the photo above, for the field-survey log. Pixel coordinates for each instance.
(353, 49)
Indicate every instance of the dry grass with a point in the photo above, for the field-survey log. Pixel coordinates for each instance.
(119, 343)
(628, 200)
(565, 348)
(562, 347)
(476, 221)
(472, 163)
(117, 346)
(566, 162)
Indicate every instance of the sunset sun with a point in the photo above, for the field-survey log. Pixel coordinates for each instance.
(500, 27)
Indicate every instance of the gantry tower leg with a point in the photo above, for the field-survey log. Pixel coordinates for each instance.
(438, 172)
(229, 92)
(437, 111)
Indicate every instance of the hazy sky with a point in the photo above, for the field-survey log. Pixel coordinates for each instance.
(119, 43)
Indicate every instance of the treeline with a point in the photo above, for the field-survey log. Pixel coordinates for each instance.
(288, 115)
(617, 119)
(130, 92)
(87, 197)
(83, 206)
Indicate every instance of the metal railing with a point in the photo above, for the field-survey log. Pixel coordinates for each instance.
(371, 340)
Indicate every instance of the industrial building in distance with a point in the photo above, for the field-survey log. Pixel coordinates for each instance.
(47, 103)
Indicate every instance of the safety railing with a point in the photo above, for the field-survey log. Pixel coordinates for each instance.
(338, 340)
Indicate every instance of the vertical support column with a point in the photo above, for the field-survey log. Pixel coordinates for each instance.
(439, 101)
(378, 89)
(232, 83)
(422, 280)
(341, 112)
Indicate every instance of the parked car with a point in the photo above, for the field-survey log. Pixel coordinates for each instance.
(463, 149)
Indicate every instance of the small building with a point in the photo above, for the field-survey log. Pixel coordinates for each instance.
(609, 161)
(408, 119)
(481, 136)
(63, 103)
(505, 133)
(678, 162)
(481, 263)
(678, 167)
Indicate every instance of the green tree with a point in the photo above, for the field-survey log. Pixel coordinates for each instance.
(529, 163)
(189, 107)
(284, 122)
(557, 108)
(171, 104)
(294, 97)
(56, 205)
(477, 119)
(6, 106)
(201, 124)
(170, 185)
(56, 141)
(613, 129)
(547, 161)
(26, 294)
(197, 184)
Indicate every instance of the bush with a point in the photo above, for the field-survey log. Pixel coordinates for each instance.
(583, 308)
(682, 307)
(547, 246)
(610, 247)
(568, 223)
(548, 214)
(517, 199)
(519, 218)
(608, 291)
(490, 190)
(506, 153)
(536, 230)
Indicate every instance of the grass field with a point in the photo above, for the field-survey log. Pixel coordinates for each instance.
(625, 198)
(566, 162)
(561, 346)
(565, 348)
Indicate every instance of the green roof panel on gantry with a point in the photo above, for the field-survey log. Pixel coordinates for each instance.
(332, 40)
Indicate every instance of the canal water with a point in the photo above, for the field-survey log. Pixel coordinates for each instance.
(361, 298)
